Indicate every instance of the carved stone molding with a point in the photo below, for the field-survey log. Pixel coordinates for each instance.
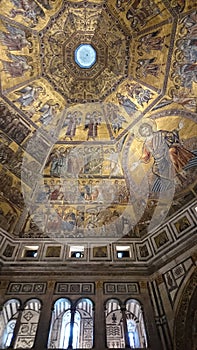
(185, 316)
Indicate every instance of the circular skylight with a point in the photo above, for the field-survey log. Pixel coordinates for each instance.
(85, 55)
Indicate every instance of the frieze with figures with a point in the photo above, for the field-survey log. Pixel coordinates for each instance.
(145, 250)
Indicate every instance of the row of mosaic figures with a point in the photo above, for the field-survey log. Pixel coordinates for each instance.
(30, 10)
(186, 73)
(84, 191)
(113, 221)
(78, 221)
(138, 14)
(65, 226)
(66, 162)
(17, 39)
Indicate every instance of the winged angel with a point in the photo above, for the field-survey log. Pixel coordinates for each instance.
(18, 66)
(15, 39)
(28, 95)
(49, 110)
(29, 9)
(72, 121)
(116, 119)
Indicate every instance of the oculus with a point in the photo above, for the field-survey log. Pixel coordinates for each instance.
(85, 56)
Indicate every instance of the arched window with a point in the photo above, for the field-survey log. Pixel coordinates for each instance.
(84, 308)
(60, 325)
(135, 325)
(8, 319)
(125, 325)
(28, 325)
(114, 325)
(71, 325)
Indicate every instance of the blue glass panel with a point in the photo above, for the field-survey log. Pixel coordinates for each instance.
(85, 56)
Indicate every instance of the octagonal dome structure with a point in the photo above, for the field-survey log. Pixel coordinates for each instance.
(71, 142)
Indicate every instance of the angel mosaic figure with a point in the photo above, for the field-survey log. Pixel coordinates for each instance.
(91, 123)
(170, 157)
(45, 4)
(147, 67)
(179, 5)
(48, 111)
(115, 118)
(140, 16)
(188, 47)
(29, 9)
(181, 97)
(56, 159)
(190, 23)
(15, 39)
(18, 66)
(151, 41)
(72, 120)
(28, 95)
(69, 221)
(187, 73)
(137, 91)
(127, 104)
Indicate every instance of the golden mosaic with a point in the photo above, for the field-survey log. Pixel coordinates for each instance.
(104, 151)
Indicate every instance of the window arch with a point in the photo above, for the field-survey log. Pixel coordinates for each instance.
(60, 324)
(71, 324)
(28, 325)
(135, 324)
(85, 309)
(8, 319)
(125, 325)
(114, 325)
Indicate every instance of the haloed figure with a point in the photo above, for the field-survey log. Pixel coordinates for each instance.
(170, 157)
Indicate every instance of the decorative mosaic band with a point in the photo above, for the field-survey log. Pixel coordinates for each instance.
(75, 288)
(26, 288)
(121, 288)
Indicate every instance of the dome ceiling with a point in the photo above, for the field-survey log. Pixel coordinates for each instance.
(106, 149)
